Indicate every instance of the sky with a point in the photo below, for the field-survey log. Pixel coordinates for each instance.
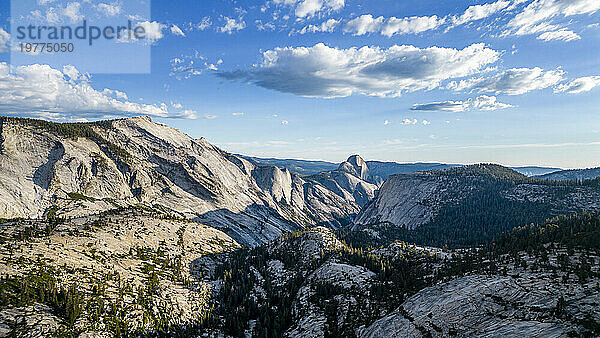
(514, 82)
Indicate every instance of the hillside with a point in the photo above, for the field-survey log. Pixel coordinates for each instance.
(86, 168)
(466, 206)
(312, 284)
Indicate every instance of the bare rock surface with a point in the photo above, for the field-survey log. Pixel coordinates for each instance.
(91, 168)
(493, 306)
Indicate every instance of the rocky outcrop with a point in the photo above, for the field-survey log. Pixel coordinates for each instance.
(492, 306)
(405, 200)
(349, 181)
(88, 168)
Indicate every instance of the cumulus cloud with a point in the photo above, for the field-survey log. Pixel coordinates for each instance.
(391, 26)
(232, 25)
(4, 40)
(39, 90)
(538, 16)
(478, 12)
(515, 81)
(153, 31)
(482, 102)
(560, 35)
(307, 8)
(109, 9)
(580, 85)
(175, 30)
(323, 71)
(325, 26)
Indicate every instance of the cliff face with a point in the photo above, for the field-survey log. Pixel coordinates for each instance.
(83, 169)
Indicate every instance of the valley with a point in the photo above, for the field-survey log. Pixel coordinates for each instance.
(132, 228)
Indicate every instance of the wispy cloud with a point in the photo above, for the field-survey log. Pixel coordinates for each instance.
(515, 81)
(580, 85)
(482, 102)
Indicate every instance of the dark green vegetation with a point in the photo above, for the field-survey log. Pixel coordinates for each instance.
(40, 285)
(75, 130)
(561, 237)
(237, 303)
(396, 278)
(480, 211)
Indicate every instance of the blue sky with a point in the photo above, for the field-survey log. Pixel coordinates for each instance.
(515, 82)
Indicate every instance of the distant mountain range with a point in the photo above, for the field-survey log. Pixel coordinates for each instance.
(574, 175)
(379, 170)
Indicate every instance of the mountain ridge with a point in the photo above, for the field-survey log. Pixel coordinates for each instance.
(125, 162)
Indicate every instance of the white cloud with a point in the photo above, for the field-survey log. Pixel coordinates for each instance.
(560, 35)
(210, 117)
(478, 12)
(325, 26)
(187, 66)
(73, 73)
(485, 102)
(426, 123)
(409, 121)
(391, 26)
(515, 81)
(4, 40)
(232, 25)
(115, 93)
(322, 71)
(72, 11)
(580, 85)
(453, 106)
(482, 102)
(54, 15)
(307, 8)
(387, 122)
(39, 90)
(109, 9)
(539, 15)
(237, 114)
(177, 105)
(204, 24)
(175, 30)
(268, 26)
(285, 122)
(152, 31)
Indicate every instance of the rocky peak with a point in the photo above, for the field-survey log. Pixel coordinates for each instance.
(356, 166)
